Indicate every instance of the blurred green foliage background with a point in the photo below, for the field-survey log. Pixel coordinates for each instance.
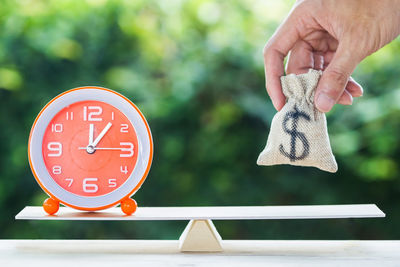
(195, 69)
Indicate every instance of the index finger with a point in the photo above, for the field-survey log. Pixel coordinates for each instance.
(275, 51)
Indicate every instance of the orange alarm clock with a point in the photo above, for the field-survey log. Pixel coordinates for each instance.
(90, 148)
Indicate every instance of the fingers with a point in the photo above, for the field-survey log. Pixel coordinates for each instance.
(345, 99)
(301, 58)
(335, 78)
(273, 72)
(354, 88)
(275, 51)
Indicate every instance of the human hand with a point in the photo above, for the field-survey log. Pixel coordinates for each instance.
(329, 35)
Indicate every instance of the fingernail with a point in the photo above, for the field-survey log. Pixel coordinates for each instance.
(324, 103)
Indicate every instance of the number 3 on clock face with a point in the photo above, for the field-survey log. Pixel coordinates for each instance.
(90, 147)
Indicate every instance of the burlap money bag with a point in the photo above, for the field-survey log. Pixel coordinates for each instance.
(298, 134)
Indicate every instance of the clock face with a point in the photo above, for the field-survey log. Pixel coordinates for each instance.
(90, 148)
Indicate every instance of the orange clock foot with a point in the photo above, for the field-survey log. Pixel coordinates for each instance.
(51, 206)
(128, 206)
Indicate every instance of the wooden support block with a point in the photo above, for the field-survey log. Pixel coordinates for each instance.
(200, 236)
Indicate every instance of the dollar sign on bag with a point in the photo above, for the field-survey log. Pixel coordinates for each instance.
(295, 115)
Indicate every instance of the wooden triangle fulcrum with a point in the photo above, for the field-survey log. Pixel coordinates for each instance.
(200, 236)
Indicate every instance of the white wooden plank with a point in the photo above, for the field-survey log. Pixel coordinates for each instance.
(214, 213)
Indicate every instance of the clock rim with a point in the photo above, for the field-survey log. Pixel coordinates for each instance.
(131, 192)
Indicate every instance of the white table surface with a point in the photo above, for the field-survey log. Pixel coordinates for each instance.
(77, 253)
(213, 213)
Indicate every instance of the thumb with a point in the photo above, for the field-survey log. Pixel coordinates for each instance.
(335, 77)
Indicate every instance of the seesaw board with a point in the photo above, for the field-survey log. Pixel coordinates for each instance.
(212, 213)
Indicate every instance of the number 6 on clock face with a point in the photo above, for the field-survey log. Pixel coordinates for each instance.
(90, 148)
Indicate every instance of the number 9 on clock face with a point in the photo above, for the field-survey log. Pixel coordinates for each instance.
(90, 148)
